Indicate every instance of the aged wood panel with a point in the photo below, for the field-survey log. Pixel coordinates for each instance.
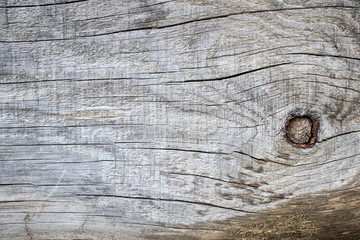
(165, 119)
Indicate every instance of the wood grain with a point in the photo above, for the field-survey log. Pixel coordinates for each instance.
(165, 119)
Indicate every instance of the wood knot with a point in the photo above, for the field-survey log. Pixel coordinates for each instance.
(301, 131)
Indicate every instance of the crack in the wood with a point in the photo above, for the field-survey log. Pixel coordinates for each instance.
(20, 201)
(269, 83)
(339, 135)
(224, 16)
(180, 23)
(155, 225)
(212, 178)
(73, 80)
(322, 164)
(65, 212)
(56, 144)
(17, 184)
(165, 200)
(235, 75)
(321, 55)
(43, 5)
(87, 126)
(178, 149)
(254, 12)
(263, 160)
(253, 52)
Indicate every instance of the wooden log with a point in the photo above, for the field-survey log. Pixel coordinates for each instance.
(180, 119)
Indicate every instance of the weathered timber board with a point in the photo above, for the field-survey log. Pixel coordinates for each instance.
(165, 119)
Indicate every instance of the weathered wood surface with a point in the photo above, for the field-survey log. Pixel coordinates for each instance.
(164, 119)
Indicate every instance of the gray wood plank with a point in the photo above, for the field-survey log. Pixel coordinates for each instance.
(165, 119)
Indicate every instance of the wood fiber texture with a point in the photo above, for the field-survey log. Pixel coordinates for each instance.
(149, 119)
